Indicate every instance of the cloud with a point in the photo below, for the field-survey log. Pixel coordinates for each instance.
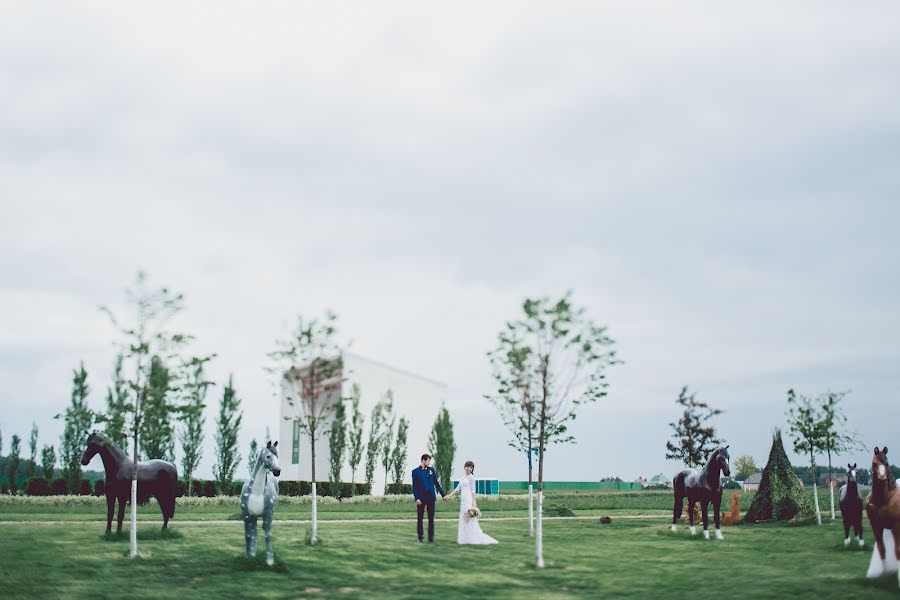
(715, 185)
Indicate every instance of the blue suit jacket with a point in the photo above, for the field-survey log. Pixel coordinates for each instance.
(423, 483)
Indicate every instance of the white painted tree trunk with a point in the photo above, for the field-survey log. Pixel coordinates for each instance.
(539, 537)
(314, 523)
(132, 551)
(831, 487)
(530, 511)
(816, 499)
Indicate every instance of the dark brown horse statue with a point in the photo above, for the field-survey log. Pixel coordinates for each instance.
(883, 508)
(703, 486)
(156, 478)
(851, 507)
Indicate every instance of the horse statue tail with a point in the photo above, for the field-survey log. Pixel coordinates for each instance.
(678, 488)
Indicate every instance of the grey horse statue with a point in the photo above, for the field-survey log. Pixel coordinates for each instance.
(703, 486)
(258, 498)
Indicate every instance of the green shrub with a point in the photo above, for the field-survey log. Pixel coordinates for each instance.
(85, 489)
(37, 486)
(558, 510)
(100, 487)
(400, 488)
(4, 489)
(730, 484)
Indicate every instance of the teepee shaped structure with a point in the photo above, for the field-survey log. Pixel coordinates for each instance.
(780, 495)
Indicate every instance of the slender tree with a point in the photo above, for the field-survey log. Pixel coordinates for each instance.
(398, 456)
(31, 465)
(373, 447)
(337, 443)
(117, 407)
(78, 419)
(308, 367)
(355, 436)
(694, 438)
(836, 438)
(228, 426)
(48, 462)
(745, 466)
(806, 424)
(12, 464)
(146, 337)
(252, 456)
(1, 442)
(514, 399)
(190, 413)
(566, 364)
(387, 439)
(442, 447)
(157, 428)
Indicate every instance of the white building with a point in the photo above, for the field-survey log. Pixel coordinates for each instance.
(415, 397)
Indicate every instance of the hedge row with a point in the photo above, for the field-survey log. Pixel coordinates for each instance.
(38, 486)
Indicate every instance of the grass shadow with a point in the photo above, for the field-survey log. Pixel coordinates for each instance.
(258, 563)
(143, 535)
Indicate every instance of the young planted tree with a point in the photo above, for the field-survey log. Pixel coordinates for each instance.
(745, 466)
(146, 337)
(31, 465)
(308, 366)
(398, 455)
(1, 442)
(12, 464)
(78, 419)
(807, 426)
(190, 413)
(373, 448)
(387, 444)
(442, 447)
(355, 436)
(117, 407)
(836, 437)
(337, 443)
(694, 439)
(252, 456)
(514, 398)
(567, 358)
(48, 462)
(228, 426)
(157, 429)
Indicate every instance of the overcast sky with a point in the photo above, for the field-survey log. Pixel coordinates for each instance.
(717, 184)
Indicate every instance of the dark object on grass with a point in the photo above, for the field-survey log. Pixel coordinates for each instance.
(703, 486)
(780, 495)
(156, 478)
(851, 507)
(38, 486)
(606, 520)
(59, 487)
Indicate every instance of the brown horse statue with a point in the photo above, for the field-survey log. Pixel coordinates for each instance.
(733, 516)
(883, 510)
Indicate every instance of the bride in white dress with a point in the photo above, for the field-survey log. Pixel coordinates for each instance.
(469, 531)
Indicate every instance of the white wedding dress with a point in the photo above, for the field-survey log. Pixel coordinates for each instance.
(469, 531)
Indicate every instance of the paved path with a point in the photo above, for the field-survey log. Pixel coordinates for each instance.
(175, 523)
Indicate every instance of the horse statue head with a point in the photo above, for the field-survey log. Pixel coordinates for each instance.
(719, 460)
(95, 442)
(881, 468)
(851, 473)
(270, 458)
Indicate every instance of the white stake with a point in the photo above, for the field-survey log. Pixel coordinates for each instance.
(539, 538)
(530, 512)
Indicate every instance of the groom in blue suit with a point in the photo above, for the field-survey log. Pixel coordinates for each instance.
(424, 480)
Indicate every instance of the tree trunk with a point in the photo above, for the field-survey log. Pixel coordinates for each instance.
(530, 497)
(132, 549)
(815, 490)
(831, 484)
(314, 523)
(539, 537)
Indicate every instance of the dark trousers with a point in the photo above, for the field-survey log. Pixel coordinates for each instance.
(420, 508)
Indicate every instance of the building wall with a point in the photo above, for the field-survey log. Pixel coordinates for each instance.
(415, 397)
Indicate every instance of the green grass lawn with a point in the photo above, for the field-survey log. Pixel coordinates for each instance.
(628, 558)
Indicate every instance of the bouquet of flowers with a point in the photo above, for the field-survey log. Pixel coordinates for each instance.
(473, 512)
